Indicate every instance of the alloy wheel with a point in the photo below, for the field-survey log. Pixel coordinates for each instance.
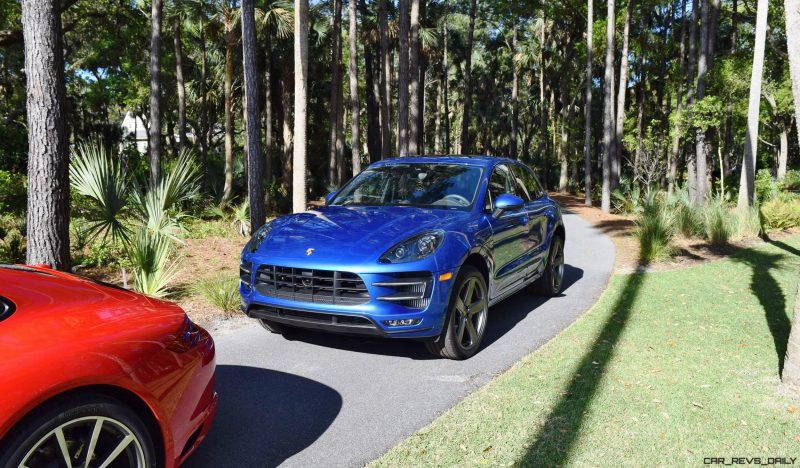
(471, 310)
(88, 442)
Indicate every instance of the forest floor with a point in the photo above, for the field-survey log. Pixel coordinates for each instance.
(688, 251)
(667, 369)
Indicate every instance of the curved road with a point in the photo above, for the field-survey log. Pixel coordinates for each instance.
(328, 400)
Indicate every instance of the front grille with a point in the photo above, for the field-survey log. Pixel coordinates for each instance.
(307, 285)
(409, 289)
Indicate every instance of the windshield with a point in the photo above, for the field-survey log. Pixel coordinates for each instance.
(448, 186)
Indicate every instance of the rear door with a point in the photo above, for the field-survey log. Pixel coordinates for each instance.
(509, 231)
(538, 210)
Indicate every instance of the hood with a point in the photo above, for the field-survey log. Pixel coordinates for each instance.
(359, 233)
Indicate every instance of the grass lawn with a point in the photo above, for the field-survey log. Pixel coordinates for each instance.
(666, 369)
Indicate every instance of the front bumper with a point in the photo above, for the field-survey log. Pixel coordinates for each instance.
(372, 318)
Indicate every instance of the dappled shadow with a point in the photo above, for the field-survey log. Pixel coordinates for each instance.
(615, 227)
(769, 294)
(554, 440)
(264, 417)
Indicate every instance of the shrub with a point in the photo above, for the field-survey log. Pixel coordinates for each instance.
(766, 187)
(13, 247)
(654, 230)
(792, 180)
(688, 218)
(13, 192)
(718, 222)
(221, 291)
(780, 213)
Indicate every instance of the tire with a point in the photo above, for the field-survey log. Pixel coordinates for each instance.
(552, 279)
(277, 328)
(35, 440)
(467, 307)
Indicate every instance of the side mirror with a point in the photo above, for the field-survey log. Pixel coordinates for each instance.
(329, 198)
(507, 202)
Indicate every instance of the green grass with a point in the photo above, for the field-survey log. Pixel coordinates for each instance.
(666, 369)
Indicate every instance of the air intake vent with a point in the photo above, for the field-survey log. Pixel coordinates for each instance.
(409, 289)
(307, 285)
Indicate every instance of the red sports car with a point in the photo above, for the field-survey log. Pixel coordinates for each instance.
(92, 375)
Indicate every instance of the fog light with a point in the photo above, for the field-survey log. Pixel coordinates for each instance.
(402, 323)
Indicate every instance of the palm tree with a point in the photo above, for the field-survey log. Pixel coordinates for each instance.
(608, 109)
(300, 104)
(747, 181)
(179, 79)
(48, 182)
(255, 182)
(228, 16)
(154, 133)
(701, 146)
(587, 139)
(353, 72)
(465, 148)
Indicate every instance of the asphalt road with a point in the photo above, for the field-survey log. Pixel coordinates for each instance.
(325, 400)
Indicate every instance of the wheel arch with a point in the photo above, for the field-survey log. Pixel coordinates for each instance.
(124, 396)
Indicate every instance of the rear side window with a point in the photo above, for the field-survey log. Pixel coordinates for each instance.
(6, 308)
(531, 182)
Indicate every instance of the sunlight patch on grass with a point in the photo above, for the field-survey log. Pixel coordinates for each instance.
(666, 369)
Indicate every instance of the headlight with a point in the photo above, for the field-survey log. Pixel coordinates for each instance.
(259, 237)
(414, 248)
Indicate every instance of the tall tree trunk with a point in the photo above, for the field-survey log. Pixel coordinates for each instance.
(154, 133)
(587, 110)
(514, 91)
(181, 86)
(300, 105)
(437, 138)
(386, 79)
(446, 82)
(340, 119)
(402, 78)
(608, 109)
(373, 113)
(783, 153)
(353, 72)
(642, 90)
(542, 108)
(747, 181)
(255, 181)
(691, 172)
(616, 161)
(701, 148)
(790, 374)
(676, 134)
(268, 116)
(792, 8)
(203, 101)
(726, 170)
(414, 130)
(48, 158)
(563, 180)
(336, 92)
(228, 89)
(465, 118)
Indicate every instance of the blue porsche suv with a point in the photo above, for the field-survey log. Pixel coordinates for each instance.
(414, 247)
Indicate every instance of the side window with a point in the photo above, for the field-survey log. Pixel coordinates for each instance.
(519, 183)
(531, 182)
(500, 182)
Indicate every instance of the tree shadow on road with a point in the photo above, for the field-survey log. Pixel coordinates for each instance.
(264, 417)
(554, 441)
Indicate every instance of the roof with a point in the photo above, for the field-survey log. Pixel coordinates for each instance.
(445, 159)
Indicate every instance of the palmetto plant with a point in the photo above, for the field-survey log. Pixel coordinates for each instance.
(148, 223)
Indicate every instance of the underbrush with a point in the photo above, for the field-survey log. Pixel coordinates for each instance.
(221, 291)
